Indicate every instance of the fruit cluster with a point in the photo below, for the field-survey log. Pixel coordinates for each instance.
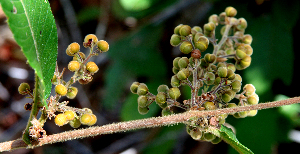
(212, 78)
(83, 71)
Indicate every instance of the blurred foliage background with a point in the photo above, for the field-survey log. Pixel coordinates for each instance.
(138, 32)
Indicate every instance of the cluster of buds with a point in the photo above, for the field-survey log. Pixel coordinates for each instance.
(214, 74)
(83, 71)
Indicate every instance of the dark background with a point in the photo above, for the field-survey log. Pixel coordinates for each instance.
(139, 32)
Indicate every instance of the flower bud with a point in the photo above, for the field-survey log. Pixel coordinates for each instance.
(134, 87)
(142, 101)
(102, 46)
(142, 89)
(92, 67)
(175, 82)
(197, 36)
(70, 115)
(230, 74)
(186, 47)
(222, 72)
(72, 49)
(242, 24)
(209, 106)
(161, 99)
(90, 40)
(174, 93)
(250, 89)
(210, 58)
(202, 43)
(183, 62)
(185, 30)
(60, 119)
(23, 88)
(183, 74)
(175, 40)
(163, 88)
(196, 29)
(230, 11)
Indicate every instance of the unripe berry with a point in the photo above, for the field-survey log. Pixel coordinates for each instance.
(143, 110)
(203, 63)
(134, 87)
(248, 49)
(60, 119)
(216, 140)
(142, 89)
(86, 118)
(230, 11)
(242, 24)
(70, 115)
(197, 36)
(186, 47)
(210, 78)
(243, 63)
(209, 136)
(176, 29)
(209, 27)
(166, 111)
(238, 77)
(175, 62)
(175, 82)
(250, 89)
(90, 40)
(252, 113)
(174, 93)
(23, 88)
(72, 92)
(209, 106)
(183, 74)
(175, 70)
(183, 62)
(226, 97)
(92, 67)
(253, 99)
(93, 120)
(197, 29)
(74, 66)
(247, 39)
(103, 46)
(202, 43)
(142, 101)
(214, 19)
(196, 134)
(231, 66)
(222, 72)
(243, 114)
(175, 40)
(230, 74)
(240, 54)
(222, 17)
(163, 88)
(161, 99)
(210, 58)
(75, 123)
(61, 89)
(72, 49)
(236, 85)
(185, 30)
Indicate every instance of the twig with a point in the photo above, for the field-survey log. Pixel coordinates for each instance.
(139, 124)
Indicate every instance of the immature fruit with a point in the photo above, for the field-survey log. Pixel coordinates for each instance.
(23, 88)
(183, 74)
(248, 49)
(185, 30)
(209, 106)
(253, 99)
(183, 62)
(176, 29)
(166, 111)
(143, 110)
(70, 115)
(60, 119)
(214, 19)
(236, 85)
(72, 49)
(61, 90)
(161, 99)
(230, 11)
(247, 39)
(238, 77)
(174, 93)
(216, 140)
(90, 40)
(74, 66)
(196, 134)
(175, 62)
(75, 123)
(175, 70)
(209, 27)
(231, 105)
(142, 89)
(210, 78)
(142, 101)
(210, 58)
(242, 24)
(252, 113)
(230, 74)
(222, 72)
(202, 43)
(175, 40)
(186, 47)
(240, 54)
(175, 82)
(250, 89)
(93, 120)
(231, 66)
(103, 46)
(222, 17)
(72, 92)
(134, 87)
(203, 63)
(92, 67)
(209, 136)
(226, 97)
(242, 114)
(195, 30)
(163, 88)
(197, 36)
(86, 118)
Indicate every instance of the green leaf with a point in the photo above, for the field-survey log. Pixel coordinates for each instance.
(34, 29)
(229, 137)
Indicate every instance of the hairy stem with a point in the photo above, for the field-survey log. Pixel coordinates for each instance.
(139, 124)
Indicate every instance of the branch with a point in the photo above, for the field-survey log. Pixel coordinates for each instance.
(139, 124)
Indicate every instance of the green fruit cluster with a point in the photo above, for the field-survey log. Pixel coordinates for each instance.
(75, 120)
(214, 74)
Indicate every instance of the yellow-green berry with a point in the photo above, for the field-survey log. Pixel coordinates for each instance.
(74, 66)
(163, 88)
(175, 62)
(243, 114)
(196, 134)
(183, 74)
(222, 72)
(183, 62)
(186, 47)
(247, 39)
(252, 113)
(90, 40)
(70, 115)
(210, 58)
(161, 99)
(166, 111)
(216, 140)
(209, 27)
(214, 19)
(185, 30)
(60, 119)
(93, 120)
(134, 87)
(175, 40)
(176, 29)
(103, 46)
(253, 99)
(24, 88)
(210, 78)
(174, 93)
(142, 89)
(209, 106)
(248, 49)
(72, 92)
(61, 89)
(143, 110)
(230, 74)
(240, 54)
(175, 82)
(242, 24)
(75, 123)
(202, 43)
(92, 67)
(236, 85)
(72, 49)
(230, 11)
(86, 118)
(208, 136)
(226, 97)
(222, 17)
(142, 101)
